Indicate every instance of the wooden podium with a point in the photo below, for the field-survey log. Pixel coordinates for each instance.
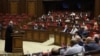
(17, 42)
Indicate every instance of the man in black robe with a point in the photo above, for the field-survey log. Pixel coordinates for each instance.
(8, 38)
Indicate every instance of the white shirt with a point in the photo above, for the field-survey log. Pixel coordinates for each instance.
(74, 49)
(73, 31)
(64, 30)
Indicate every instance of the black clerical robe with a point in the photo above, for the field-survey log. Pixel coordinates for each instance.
(8, 39)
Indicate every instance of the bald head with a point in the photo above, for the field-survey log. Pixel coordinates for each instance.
(89, 39)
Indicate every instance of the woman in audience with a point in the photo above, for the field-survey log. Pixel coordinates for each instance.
(79, 40)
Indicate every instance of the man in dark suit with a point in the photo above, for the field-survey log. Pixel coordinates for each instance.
(8, 38)
(91, 45)
(65, 29)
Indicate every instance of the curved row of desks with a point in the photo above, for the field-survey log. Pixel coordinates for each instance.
(41, 36)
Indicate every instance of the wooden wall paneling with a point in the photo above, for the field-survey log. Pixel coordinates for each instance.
(31, 8)
(1, 6)
(13, 7)
(40, 9)
(5, 6)
(97, 8)
(22, 7)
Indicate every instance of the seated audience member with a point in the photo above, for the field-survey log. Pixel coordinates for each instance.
(62, 49)
(67, 20)
(65, 29)
(80, 31)
(43, 17)
(73, 14)
(77, 17)
(42, 27)
(77, 24)
(59, 23)
(51, 19)
(74, 36)
(25, 27)
(79, 40)
(75, 48)
(73, 30)
(35, 27)
(96, 38)
(90, 44)
(85, 32)
(83, 25)
(99, 17)
(95, 26)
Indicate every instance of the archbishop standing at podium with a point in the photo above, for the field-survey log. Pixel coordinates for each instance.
(8, 37)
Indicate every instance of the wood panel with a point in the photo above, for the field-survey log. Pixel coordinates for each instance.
(68, 38)
(1, 6)
(31, 7)
(63, 38)
(40, 8)
(36, 35)
(43, 36)
(14, 7)
(29, 36)
(22, 7)
(97, 8)
(57, 38)
(17, 43)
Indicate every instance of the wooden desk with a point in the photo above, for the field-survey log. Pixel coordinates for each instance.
(28, 35)
(57, 38)
(68, 38)
(17, 42)
(53, 29)
(35, 34)
(62, 37)
(44, 35)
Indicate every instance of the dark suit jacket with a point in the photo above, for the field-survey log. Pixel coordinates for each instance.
(92, 46)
